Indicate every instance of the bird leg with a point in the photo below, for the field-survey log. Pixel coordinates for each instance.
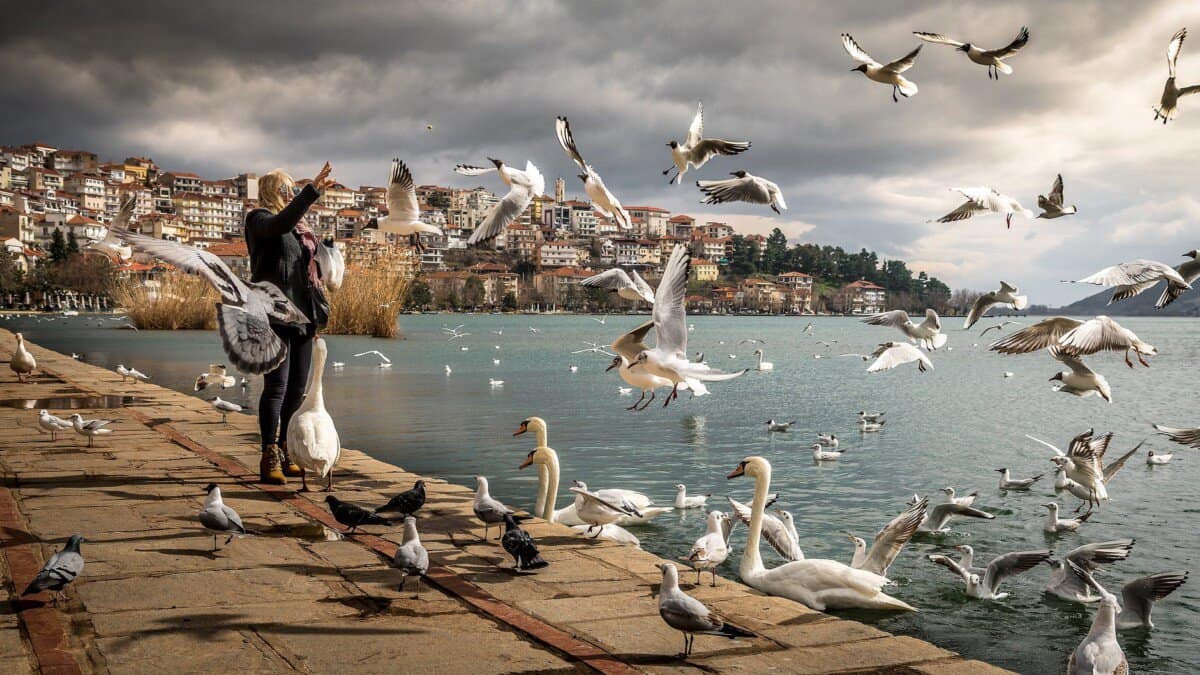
(672, 396)
(668, 169)
(329, 481)
(713, 572)
(894, 99)
(698, 571)
(418, 593)
(1140, 359)
(90, 439)
(647, 403)
(214, 548)
(303, 480)
(403, 578)
(635, 404)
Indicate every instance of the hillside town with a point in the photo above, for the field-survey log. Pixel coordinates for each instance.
(53, 199)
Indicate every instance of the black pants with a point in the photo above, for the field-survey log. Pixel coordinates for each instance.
(283, 388)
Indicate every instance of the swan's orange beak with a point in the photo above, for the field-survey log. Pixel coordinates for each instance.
(521, 429)
(527, 462)
(740, 470)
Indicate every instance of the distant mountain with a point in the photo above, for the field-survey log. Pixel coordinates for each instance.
(1188, 304)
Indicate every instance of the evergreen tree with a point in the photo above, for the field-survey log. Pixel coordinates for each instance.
(72, 243)
(58, 247)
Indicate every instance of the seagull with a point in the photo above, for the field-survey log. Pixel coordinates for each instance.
(999, 326)
(593, 348)
(625, 391)
(964, 501)
(927, 334)
(998, 570)
(828, 440)
(216, 375)
(870, 427)
(352, 515)
(448, 371)
(1188, 437)
(218, 517)
(495, 362)
(687, 614)
(992, 58)
(454, 333)
(535, 331)
(247, 309)
(1131, 278)
(1006, 295)
(884, 74)
(523, 187)
(889, 541)
(1138, 597)
(411, 557)
(779, 427)
(52, 424)
(1153, 458)
(225, 407)
(1099, 651)
(743, 187)
(90, 428)
(984, 199)
(1019, 484)
(669, 359)
(777, 533)
(1190, 271)
(1065, 336)
(1056, 525)
(495, 384)
(1168, 104)
(111, 245)
(600, 320)
(60, 570)
(869, 416)
(892, 354)
(603, 200)
(695, 151)
(384, 361)
(131, 373)
(489, 510)
(630, 286)
(404, 212)
(1083, 463)
(1052, 204)
(1066, 583)
(820, 454)
(627, 347)
(521, 546)
(683, 501)
(598, 511)
(939, 516)
(712, 549)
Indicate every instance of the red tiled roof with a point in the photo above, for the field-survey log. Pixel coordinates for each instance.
(232, 249)
(862, 283)
(794, 274)
(652, 209)
(82, 220)
(702, 261)
(682, 218)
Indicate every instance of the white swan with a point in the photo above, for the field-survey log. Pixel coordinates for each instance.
(817, 584)
(763, 365)
(22, 361)
(312, 439)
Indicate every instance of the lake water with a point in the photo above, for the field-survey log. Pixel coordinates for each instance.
(951, 426)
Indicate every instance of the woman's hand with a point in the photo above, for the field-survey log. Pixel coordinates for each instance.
(322, 179)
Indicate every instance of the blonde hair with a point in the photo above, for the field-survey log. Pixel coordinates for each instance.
(271, 189)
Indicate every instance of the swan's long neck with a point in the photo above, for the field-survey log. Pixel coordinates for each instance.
(752, 559)
(539, 507)
(314, 389)
(542, 440)
(548, 486)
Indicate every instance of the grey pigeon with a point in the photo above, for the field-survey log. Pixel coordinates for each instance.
(218, 517)
(353, 515)
(411, 557)
(60, 570)
(408, 502)
(521, 546)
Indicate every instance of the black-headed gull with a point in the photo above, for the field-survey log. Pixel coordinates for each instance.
(630, 286)
(982, 199)
(523, 187)
(1052, 204)
(891, 354)
(111, 245)
(404, 212)
(1168, 104)
(889, 73)
(992, 58)
(603, 200)
(998, 570)
(743, 187)
(695, 151)
(1131, 278)
(1006, 295)
(928, 334)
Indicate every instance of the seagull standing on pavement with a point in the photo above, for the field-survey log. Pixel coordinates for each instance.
(1131, 278)
(1052, 204)
(695, 151)
(216, 375)
(131, 373)
(984, 199)
(602, 199)
(710, 550)
(225, 407)
(489, 510)
(1168, 104)
(687, 614)
(90, 428)
(1006, 295)
(743, 187)
(411, 557)
(523, 187)
(218, 517)
(992, 58)
(884, 74)
(52, 424)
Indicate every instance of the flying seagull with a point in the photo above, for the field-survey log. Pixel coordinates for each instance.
(523, 187)
(602, 199)
(1190, 271)
(404, 212)
(1188, 437)
(984, 199)
(885, 74)
(1052, 204)
(927, 334)
(1007, 295)
(992, 58)
(111, 245)
(1131, 278)
(695, 151)
(743, 187)
(247, 309)
(630, 286)
(1072, 337)
(1168, 104)
(891, 354)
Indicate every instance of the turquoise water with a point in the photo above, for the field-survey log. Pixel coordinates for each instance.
(951, 426)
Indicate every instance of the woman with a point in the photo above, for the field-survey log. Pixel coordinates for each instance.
(282, 251)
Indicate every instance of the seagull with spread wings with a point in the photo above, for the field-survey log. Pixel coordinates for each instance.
(928, 334)
(889, 73)
(1168, 105)
(743, 187)
(604, 201)
(404, 212)
(1007, 295)
(997, 571)
(992, 58)
(630, 286)
(891, 354)
(1073, 337)
(111, 245)
(1052, 204)
(523, 187)
(889, 541)
(1131, 278)
(1190, 271)
(695, 151)
(982, 199)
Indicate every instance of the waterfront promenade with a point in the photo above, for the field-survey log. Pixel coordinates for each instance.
(299, 597)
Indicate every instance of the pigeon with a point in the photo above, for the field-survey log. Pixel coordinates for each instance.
(1006, 295)
(404, 212)
(984, 199)
(884, 74)
(695, 151)
(411, 557)
(743, 187)
(687, 614)
(406, 503)
(1131, 278)
(246, 311)
(218, 517)
(992, 58)
(60, 570)
(1052, 204)
(353, 516)
(1168, 104)
(630, 286)
(521, 546)
(523, 187)
(225, 407)
(603, 201)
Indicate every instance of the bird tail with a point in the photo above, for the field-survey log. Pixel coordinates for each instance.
(32, 588)
(907, 87)
(1004, 67)
(730, 631)
(1020, 301)
(939, 340)
(534, 563)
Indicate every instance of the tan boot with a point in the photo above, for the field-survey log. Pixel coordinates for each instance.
(270, 468)
(290, 467)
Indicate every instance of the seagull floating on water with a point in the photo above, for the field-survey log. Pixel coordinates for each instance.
(998, 570)
(216, 375)
(1018, 484)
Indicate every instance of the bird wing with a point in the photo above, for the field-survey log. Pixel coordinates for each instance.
(772, 530)
(966, 210)
(331, 264)
(1116, 465)
(949, 564)
(895, 318)
(1090, 557)
(1188, 437)
(1056, 193)
(1190, 271)
(624, 506)
(696, 129)
(1075, 363)
(632, 343)
(858, 53)
(940, 514)
(1127, 274)
(1041, 335)
(524, 187)
(670, 318)
(1095, 335)
(1012, 564)
(1138, 596)
(120, 223)
(402, 195)
(1188, 91)
(747, 189)
(898, 354)
(985, 197)
(982, 304)
(931, 322)
(614, 280)
(727, 524)
(893, 537)
(562, 128)
(643, 288)
(705, 149)
(1173, 49)
(469, 170)
(937, 38)
(233, 517)
(193, 261)
(248, 340)
(1011, 48)
(905, 62)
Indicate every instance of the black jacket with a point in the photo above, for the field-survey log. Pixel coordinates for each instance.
(277, 256)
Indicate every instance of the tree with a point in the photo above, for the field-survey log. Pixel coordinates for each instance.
(58, 247)
(775, 253)
(743, 261)
(419, 296)
(509, 302)
(72, 243)
(11, 278)
(473, 292)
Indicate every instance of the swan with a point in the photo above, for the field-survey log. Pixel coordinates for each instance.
(312, 440)
(683, 501)
(22, 361)
(816, 584)
(763, 365)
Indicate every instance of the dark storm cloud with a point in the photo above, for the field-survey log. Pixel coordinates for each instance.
(224, 87)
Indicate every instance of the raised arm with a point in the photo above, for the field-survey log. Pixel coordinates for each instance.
(263, 223)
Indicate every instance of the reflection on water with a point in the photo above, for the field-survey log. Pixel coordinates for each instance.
(81, 402)
(694, 431)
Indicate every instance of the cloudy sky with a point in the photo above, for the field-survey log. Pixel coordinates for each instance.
(223, 87)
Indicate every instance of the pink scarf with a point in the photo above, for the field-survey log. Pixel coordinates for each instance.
(309, 241)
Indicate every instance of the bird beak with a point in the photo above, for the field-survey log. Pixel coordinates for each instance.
(521, 429)
(610, 367)
(739, 471)
(527, 462)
